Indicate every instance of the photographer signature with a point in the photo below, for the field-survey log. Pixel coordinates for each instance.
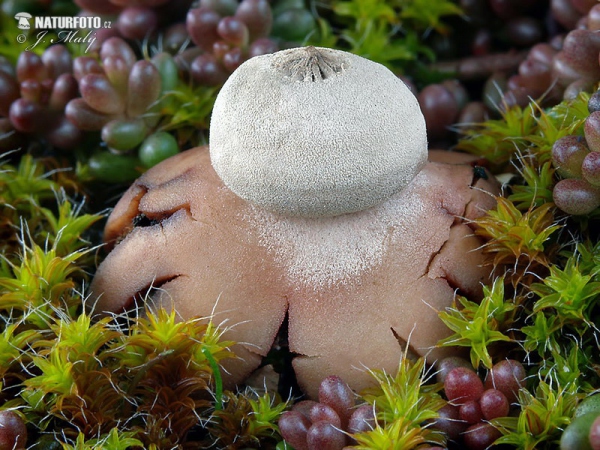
(64, 37)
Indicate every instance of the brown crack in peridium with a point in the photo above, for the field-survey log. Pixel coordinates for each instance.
(129, 212)
(148, 219)
(408, 350)
(119, 227)
(139, 300)
(452, 282)
(135, 217)
(479, 175)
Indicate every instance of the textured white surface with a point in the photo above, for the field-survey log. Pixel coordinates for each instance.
(320, 254)
(316, 140)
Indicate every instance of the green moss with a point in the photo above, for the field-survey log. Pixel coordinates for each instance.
(247, 420)
(390, 33)
(404, 403)
(519, 242)
(551, 263)
(542, 417)
(479, 326)
(154, 381)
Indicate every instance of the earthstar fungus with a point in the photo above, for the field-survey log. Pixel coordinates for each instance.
(359, 288)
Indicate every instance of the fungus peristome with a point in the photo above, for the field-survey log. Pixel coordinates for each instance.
(359, 289)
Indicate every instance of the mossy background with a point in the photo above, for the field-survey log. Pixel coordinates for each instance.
(153, 382)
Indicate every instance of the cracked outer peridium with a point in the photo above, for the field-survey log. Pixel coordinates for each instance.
(357, 289)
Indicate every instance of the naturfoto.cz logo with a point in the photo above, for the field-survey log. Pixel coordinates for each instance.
(70, 29)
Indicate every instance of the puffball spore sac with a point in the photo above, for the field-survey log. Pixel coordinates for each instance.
(316, 132)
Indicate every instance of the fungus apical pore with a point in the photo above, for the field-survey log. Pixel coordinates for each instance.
(316, 132)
